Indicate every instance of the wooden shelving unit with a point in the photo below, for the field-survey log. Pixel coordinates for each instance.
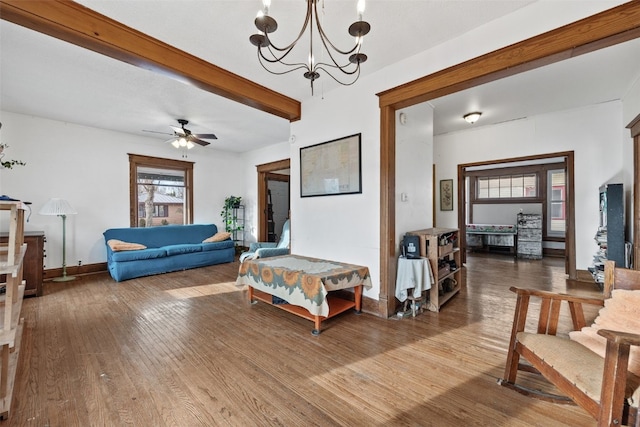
(440, 245)
(11, 265)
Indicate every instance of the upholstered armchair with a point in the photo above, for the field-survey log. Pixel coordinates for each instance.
(269, 249)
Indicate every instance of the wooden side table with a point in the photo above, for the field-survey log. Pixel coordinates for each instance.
(33, 265)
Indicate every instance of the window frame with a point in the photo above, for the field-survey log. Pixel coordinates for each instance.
(550, 201)
(542, 198)
(136, 161)
(498, 172)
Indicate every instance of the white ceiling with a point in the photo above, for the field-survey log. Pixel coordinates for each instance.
(50, 78)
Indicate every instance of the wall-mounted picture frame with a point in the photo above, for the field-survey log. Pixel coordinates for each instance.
(446, 195)
(331, 168)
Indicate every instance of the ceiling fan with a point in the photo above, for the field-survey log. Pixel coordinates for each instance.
(183, 138)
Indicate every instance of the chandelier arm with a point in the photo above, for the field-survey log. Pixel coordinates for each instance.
(275, 57)
(325, 39)
(343, 68)
(297, 66)
(334, 78)
(297, 39)
(336, 65)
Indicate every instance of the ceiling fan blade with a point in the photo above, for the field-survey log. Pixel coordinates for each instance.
(153, 131)
(206, 136)
(192, 138)
(178, 131)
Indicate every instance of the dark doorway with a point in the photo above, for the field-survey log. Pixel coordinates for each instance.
(273, 199)
(277, 204)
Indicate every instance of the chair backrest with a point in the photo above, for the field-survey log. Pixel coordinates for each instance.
(619, 278)
(284, 236)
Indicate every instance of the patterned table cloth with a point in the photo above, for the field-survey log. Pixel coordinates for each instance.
(300, 280)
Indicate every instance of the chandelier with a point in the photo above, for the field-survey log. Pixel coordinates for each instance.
(348, 71)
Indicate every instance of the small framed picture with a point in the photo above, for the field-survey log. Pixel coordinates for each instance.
(446, 195)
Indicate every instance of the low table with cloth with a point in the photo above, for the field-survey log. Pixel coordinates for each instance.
(413, 277)
(486, 236)
(304, 284)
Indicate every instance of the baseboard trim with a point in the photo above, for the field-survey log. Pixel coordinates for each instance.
(76, 270)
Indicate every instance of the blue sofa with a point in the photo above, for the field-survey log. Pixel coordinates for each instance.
(169, 248)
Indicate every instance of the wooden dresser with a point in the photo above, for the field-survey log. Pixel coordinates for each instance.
(529, 236)
(33, 263)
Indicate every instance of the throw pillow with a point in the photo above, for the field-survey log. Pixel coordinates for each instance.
(218, 237)
(621, 313)
(119, 245)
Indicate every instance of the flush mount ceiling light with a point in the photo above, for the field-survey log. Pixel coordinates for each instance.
(350, 69)
(472, 117)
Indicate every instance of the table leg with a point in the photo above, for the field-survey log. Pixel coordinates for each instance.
(358, 298)
(250, 294)
(317, 322)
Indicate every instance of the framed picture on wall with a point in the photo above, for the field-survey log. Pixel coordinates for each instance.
(446, 195)
(331, 168)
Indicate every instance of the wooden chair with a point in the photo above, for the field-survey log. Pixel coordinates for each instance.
(601, 386)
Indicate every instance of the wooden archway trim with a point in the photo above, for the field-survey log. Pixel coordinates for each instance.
(634, 128)
(604, 29)
(81, 26)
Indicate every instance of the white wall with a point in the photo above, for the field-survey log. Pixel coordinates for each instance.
(343, 227)
(90, 168)
(414, 170)
(503, 213)
(594, 133)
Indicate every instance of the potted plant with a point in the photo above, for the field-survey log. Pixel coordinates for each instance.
(229, 214)
(8, 164)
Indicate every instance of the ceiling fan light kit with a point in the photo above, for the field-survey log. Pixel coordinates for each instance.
(183, 138)
(276, 55)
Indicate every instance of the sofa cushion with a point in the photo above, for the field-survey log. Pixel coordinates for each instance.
(214, 246)
(163, 235)
(218, 237)
(119, 245)
(621, 313)
(186, 248)
(149, 253)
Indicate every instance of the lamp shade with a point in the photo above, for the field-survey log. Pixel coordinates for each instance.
(57, 207)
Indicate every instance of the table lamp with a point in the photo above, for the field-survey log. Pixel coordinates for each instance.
(61, 208)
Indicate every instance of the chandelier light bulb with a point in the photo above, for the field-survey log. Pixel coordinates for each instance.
(183, 142)
(190, 145)
(176, 144)
(360, 7)
(260, 14)
(266, 4)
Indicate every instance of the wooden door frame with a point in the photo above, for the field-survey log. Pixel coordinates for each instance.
(613, 26)
(265, 171)
(634, 128)
(570, 236)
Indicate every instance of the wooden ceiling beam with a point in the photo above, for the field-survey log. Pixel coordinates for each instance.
(613, 26)
(81, 26)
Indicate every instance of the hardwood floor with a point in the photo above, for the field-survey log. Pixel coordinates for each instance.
(186, 349)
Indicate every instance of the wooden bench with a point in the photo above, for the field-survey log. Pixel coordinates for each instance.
(602, 386)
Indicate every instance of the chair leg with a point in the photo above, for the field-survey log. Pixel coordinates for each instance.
(613, 384)
(519, 320)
